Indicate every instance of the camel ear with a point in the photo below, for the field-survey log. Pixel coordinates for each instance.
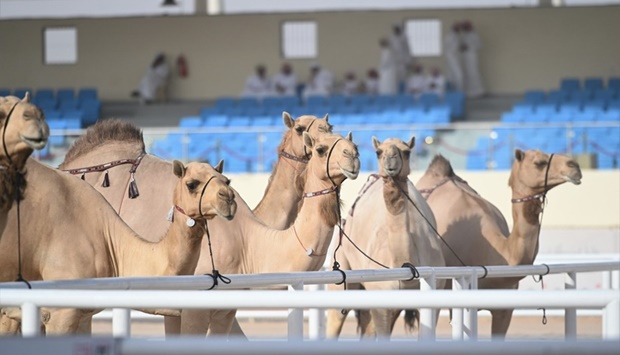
(26, 97)
(219, 167)
(350, 136)
(288, 120)
(411, 143)
(326, 118)
(375, 142)
(308, 140)
(178, 168)
(519, 154)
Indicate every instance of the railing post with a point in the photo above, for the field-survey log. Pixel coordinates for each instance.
(121, 322)
(316, 318)
(458, 330)
(470, 315)
(427, 315)
(611, 313)
(31, 320)
(570, 314)
(296, 317)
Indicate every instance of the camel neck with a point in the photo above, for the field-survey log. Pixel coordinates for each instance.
(522, 244)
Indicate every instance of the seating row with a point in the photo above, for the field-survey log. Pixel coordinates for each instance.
(590, 83)
(48, 93)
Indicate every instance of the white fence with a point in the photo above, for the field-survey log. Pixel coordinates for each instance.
(464, 300)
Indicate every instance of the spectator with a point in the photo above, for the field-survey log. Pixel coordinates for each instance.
(350, 85)
(436, 82)
(473, 80)
(401, 51)
(417, 81)
(285, 82)
(257, 85)
(320, 83)
(453, 50)
(388, 81)
(371, 84)
(154, 83)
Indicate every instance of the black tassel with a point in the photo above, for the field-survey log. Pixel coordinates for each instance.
(83, 176)
(133, 189)
(106, 180)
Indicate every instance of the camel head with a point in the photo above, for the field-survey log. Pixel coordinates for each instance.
(530, 167)
(393, 155)
(203, 192)
(25, 130)
(333, 156)
(293, 143)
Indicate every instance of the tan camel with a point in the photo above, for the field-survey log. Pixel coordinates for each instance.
(257, 248)
(22, 130)
(101, 244)
(477, 231)
(386, 226)
(153, 178)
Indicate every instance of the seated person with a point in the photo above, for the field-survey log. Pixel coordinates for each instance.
(285, 82)
(350, 86)
(371, 84)
(320, 83)
(417, 81)
(257, 85)
(436, 82)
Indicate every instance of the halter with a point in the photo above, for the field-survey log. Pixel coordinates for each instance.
(293, 157)
(6, 124)
(541, 196)
(430, 190)
(190, 221)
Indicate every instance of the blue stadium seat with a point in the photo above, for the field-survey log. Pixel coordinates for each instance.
(72, 114)
(225, 102)
(21, 92)
(51, 114)
(604, 95)
(207, 111)
(511, 117)
(614, 84)
(318, 100)
(534, 96)
(429, 99)
(570, 84)
(248, 102)
(580, 96)
(360, 99)
(91, 109)
(440, 114)
(593, 83)
(216, 121)
(65, 94)
(610, 115)
(45, 103)
(238, 121)
(56, 124)
(190, 122)
(262, 121)
(68, 103)
(87, 94)
(476, 161)
(337, 100)
(456, 101)
(44, 94)
(5, 92)
(557, 96)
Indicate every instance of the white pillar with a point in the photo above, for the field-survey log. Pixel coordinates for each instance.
(470, 315)
(458, 331)
(427, 315)
(296, 317)
(612, 321)
(121, 322)
(570, 314)
(316, 318)
(31, 320)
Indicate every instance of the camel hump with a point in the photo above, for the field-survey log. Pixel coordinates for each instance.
(102, 132)
(441, 166)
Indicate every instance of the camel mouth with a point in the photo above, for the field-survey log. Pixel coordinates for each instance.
(392, 172)
(350, 174)
(574, 180)
(37, 143)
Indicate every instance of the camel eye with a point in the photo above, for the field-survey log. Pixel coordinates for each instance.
(406, 154)
(540, 164)
(192, 185)
(379, 152)
(300, 129)
(321, 150)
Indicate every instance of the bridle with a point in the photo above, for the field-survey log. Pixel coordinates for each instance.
(306, 158)
(190, 221)
(430, 190)
(6, 124)
(540, 196)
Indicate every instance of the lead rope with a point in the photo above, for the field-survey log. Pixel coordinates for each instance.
(215, 274)
(19, 179)
(543, 203)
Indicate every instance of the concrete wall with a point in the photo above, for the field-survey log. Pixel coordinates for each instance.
(523, 48)
(595, 204)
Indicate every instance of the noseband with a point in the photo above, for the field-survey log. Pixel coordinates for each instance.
(334, 186)
(190, 221)
(541, 196)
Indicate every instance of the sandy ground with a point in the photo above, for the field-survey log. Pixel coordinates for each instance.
(522, 327)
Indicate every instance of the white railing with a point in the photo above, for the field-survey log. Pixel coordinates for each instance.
(464, 320)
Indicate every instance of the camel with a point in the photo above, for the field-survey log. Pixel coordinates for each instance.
(23, 129)
(385, 225)
(102, 245)
(477, 231)
(278, 208)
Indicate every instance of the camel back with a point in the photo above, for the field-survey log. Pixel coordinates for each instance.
(104, 132)
(441, 166)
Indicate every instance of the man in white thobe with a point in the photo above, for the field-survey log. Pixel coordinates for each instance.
(155, 81)
(402, 55)
(474, 86)
(320, 83)
(285, 82)
(371, 83)
(350, 86)
(436, 82)
(417, 81)
(388, 81)
(257, 85)
(452, 49)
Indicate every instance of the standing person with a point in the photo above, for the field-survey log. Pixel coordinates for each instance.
(371, 83)
(154, 83)
(388, 81)
(436, 82)
(417, 81)
(285, 82)
(400, 47)
(257, 85)
(474, 86)
(321, 81)
(453, 52)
